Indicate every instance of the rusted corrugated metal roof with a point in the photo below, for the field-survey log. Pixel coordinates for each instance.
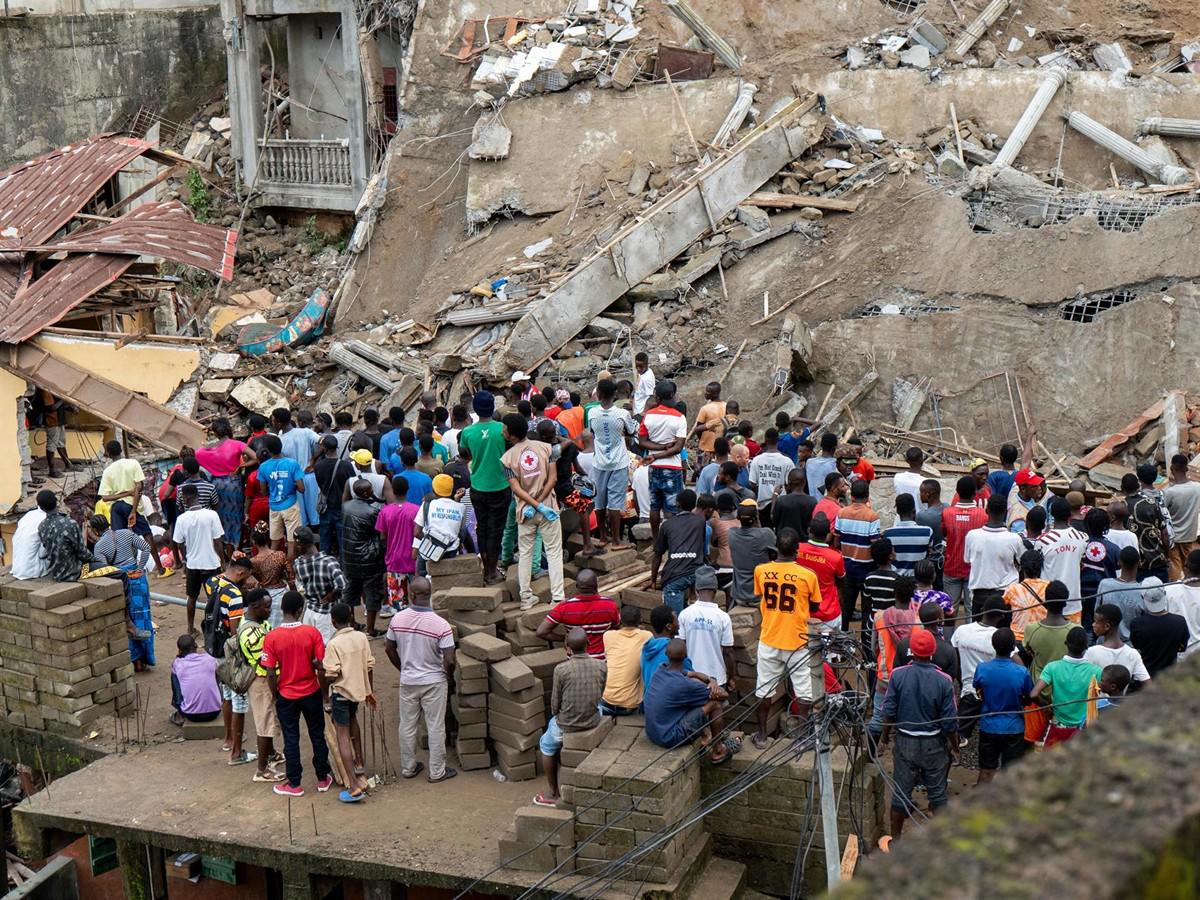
(39, 197)
(54, 294)
(164, 230)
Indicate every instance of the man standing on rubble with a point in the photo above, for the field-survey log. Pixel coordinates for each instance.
(662, 432)
(708, 424)
(645, 386)
(490, 493)
(1182, 499)
(611, 427)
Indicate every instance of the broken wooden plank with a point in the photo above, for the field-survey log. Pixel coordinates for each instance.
(1109, 445)
(658, 236)
(799, 201)
(769, 316)
(853, 396)
(85, 389)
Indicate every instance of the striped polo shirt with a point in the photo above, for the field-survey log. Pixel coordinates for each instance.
(593, 613)
(857, 528)
(910, 541)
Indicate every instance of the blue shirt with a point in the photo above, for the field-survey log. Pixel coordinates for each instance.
(419, 484)
(389, 444)
(1001, 482)
(707, 480)
(280, 477)
(670, 696)
(789, 445)
(654, 656)
(1003, 683)
(298, 445)
(815, 471)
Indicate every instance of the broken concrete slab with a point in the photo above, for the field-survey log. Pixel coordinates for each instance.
(918, 57)
(754, 218)
(224, 362)
(490, 139)
(259, 395)
(660, 234)
(928, 36)
(216, 388)
(607, 133)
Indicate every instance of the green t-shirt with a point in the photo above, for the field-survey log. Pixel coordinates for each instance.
(1047, 643)
(485, 441)
(1070, 683)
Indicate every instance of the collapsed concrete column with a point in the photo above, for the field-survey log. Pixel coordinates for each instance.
(737, 115)
(982, 23)
(1033, 113)
(708, 37)
(1189, 128)
(1127, 150)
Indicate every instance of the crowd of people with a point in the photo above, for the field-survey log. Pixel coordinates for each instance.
(1010, 610)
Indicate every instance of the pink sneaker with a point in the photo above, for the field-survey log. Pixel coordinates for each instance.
(287, 790)
(324, 784)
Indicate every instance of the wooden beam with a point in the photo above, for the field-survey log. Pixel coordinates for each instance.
(853, 396)
(799, 201)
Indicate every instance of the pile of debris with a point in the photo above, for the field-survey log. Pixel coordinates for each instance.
(1169, 426)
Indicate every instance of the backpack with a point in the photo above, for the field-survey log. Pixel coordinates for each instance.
(216, 632)
(234, 670)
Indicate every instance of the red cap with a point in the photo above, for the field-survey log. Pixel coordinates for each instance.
(921, 644)
(1028, 476)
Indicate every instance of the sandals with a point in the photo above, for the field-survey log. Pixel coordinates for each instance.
(348, 797)
(542, 800)
(760, 742)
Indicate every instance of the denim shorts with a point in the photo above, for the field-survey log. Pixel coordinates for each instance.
(240, 703)
(686, 729)
(610, 488)
(665, 485)
(552, 738)
(341, 710)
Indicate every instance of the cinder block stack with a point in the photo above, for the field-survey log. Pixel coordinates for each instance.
(457, 571)
(516, 717)
(525, 639)
(540, 838)
(746, 625)
(610, 562)
(543, 662)
(470, 701)
(64, 654)
(637, 790)
(539, 586)
(576, 747)
(472, 610)
(644, 600)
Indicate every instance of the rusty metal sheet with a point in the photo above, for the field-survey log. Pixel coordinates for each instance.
(54, 294)
(85, 389)
(683, 64)
(39, 197)
(161, 229)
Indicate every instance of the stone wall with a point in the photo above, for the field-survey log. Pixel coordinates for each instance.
(63, 78)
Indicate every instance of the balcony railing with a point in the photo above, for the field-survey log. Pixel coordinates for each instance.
(303, 162)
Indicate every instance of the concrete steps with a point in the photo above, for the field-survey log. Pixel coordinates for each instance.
(721, 879)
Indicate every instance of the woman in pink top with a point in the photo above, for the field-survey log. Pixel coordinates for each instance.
(225, 460)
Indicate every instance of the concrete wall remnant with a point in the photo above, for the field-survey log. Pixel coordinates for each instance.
(65, 77)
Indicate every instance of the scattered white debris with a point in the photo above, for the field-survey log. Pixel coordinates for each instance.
(224, 362)
(534, 249)
(1015, 44)
(835, 163)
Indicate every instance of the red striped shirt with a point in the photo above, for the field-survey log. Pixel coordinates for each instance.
(591, 612)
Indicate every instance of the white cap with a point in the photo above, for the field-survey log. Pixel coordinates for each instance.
(519, 376)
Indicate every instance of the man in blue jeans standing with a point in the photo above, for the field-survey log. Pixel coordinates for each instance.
(663, 432)
(292, 655)
(683, 541)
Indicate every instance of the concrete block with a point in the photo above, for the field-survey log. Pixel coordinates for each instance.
(479, 598)
(17, 591)
(456, 565)
(466, 629)
(470, 745)
(511, 675)
(928, 36)
(478, 617)
(543, 662)
(108, 663)
(468, 716)
(61, 617)
(753, 217)
(472, 730)
(537, 692)
(500, 722)
(511, 739)
(565, 856)
(514, 756)
(642, 599)
(590, 773)
(485, 647)
(590, 739)
(517, 710)
(203, 731)
(612, 561)
(471, 762)
(471, 685)
(573, 758)
(52, 595)
(525, 772)
(103, 588)
(541, 824)
(526, 857)
(473, 701)
(534, 616)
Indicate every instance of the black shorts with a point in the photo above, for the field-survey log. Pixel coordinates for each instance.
(369, 588)
(195, 580)
(995, 749)
(341, 710)
(491, 515)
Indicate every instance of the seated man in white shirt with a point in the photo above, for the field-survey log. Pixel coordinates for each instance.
(27, 558)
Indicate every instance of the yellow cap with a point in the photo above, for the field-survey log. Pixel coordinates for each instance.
(443, 485)
(362, 457)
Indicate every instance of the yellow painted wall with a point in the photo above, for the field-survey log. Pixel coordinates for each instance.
(82, 443)
(153, 369)
(11, 391)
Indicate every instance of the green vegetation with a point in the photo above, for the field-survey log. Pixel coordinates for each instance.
(198, 199)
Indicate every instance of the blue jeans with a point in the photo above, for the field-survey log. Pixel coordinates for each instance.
(331, 531)
(665, 485)
(313, 711)
(675, 591)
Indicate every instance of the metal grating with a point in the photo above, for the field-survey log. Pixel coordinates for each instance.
(912, 311)
(990, 214)
(1086, 309)
(903, 7)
